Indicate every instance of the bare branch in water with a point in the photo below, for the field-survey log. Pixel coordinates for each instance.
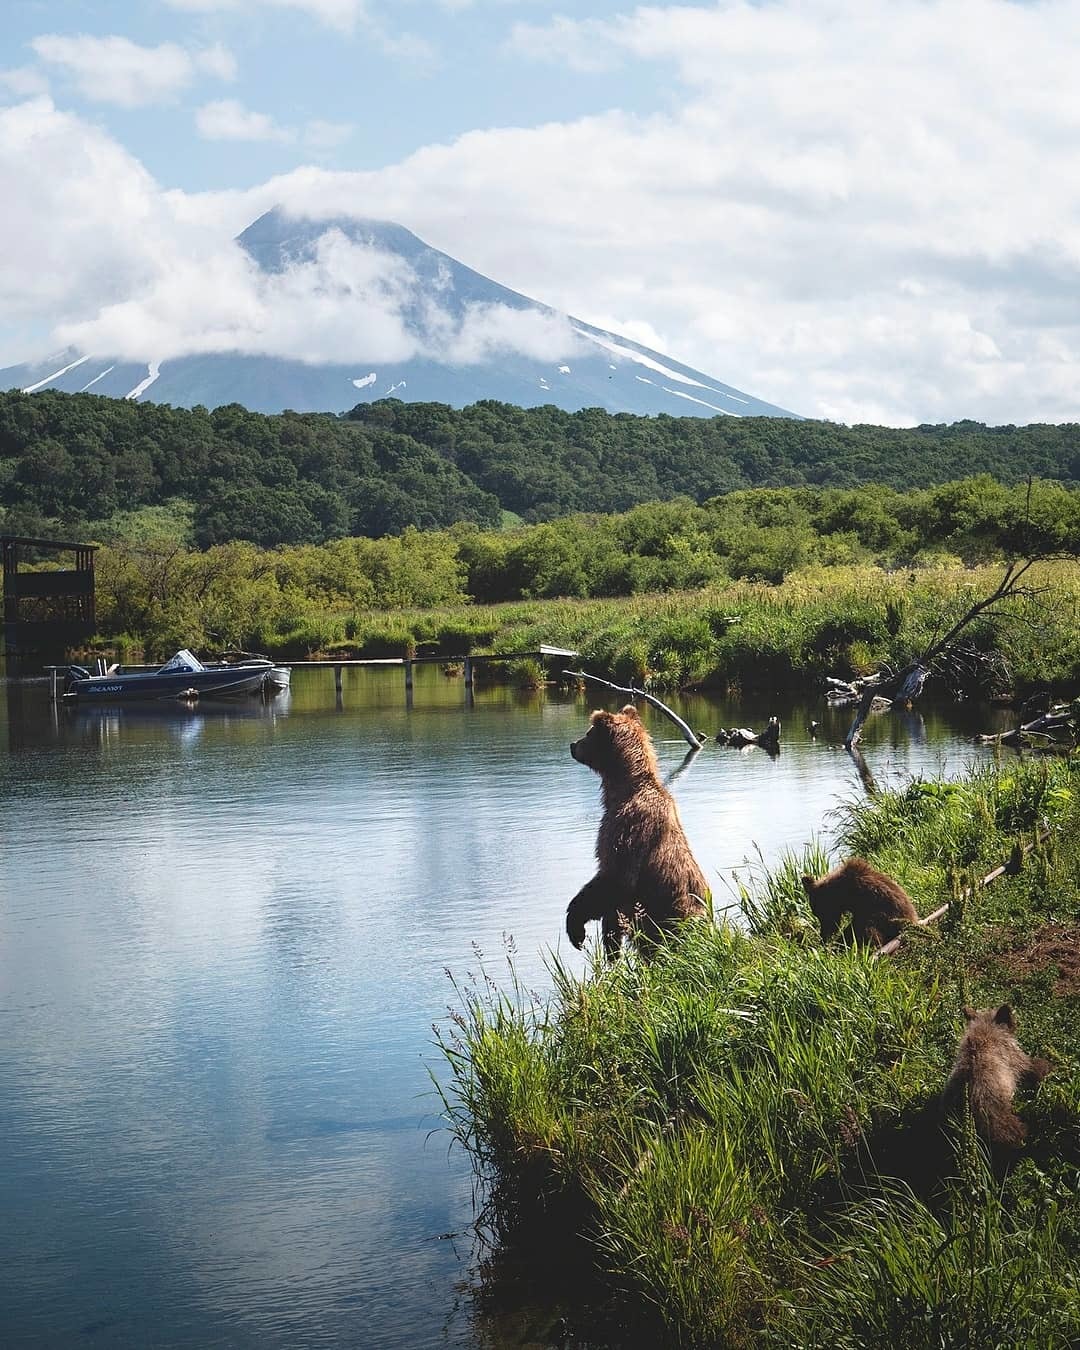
(692, 739)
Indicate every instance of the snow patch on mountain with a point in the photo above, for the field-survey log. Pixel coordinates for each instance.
(90, 383)
(30, 388)
(680, 393)
(153, 370)
(641, 359)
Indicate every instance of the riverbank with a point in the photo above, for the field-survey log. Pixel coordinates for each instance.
(745, 1134)
(842, 620)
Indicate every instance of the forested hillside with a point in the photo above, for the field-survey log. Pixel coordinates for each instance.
(73, 462)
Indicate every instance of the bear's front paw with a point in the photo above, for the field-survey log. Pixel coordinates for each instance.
(576, 933)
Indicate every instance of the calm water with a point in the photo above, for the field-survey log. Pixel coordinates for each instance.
(223, 941)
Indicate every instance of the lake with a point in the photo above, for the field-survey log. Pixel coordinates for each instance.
(224, 938)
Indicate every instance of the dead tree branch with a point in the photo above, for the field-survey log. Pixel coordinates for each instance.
(694, 742)
(906, 685)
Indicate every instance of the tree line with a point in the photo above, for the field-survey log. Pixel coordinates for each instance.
(80, 463)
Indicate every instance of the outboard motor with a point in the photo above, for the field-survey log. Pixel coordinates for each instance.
(75, 673)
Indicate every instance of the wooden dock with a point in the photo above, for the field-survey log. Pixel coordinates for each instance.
(544, 652)
(467, 663)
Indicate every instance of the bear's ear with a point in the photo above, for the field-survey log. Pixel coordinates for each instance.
(1004, 1017)
(969, 1013)
(599, 716)
(807, 884)
(630, 711)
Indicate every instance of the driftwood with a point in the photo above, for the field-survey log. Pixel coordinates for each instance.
(904, 687)
(694, 741)
(1044, 728)
(1007, 869)
(769, 739)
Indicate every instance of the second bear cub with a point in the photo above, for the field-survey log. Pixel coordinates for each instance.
(989, 1067)
(647, 879)
(879, 907)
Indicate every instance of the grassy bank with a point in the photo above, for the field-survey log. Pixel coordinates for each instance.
(841, 620)
(745, 1133)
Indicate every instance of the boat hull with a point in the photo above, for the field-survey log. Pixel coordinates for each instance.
(224, 682)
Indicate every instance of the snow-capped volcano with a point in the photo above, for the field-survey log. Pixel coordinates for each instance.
(410, 322)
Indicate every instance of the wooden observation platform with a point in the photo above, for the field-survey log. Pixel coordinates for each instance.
(46, 612)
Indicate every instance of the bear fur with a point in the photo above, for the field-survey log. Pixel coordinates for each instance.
(989, 1067)
(647, 880)
(879, 907)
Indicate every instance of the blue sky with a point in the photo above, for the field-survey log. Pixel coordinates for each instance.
(398, 75)
(865, 210)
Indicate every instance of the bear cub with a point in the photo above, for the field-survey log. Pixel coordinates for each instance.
(989, 1067)
(879, 907)
(647, 880)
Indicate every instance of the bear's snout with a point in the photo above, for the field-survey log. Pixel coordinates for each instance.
(573, 749)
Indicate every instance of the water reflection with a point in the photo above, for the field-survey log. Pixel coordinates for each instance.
(223, 933)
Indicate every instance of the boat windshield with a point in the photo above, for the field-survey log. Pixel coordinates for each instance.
(182, 661)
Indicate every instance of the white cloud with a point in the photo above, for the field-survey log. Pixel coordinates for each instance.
(585, 45)
(860, 210)
(340, 14)
(83, 222)
(345, 16)
(24, 82)
(228, 120)
(348, 302)
(487, 330)
(217, 60)
(117, 70)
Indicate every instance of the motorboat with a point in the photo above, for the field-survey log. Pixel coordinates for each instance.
(183, 676)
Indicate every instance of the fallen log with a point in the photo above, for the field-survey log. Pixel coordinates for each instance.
(843, 692)
(1064, 717)
(769, 739)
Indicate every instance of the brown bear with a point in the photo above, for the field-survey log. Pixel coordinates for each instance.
(989, 1067)
(647, 879)
(878, 906)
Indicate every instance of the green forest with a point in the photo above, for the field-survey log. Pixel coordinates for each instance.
(79, 463)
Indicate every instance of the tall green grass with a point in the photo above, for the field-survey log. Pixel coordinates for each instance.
(749, 635)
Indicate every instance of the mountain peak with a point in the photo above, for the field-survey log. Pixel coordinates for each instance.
(279, 236)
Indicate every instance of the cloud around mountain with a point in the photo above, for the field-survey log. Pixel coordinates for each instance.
(341, 301)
